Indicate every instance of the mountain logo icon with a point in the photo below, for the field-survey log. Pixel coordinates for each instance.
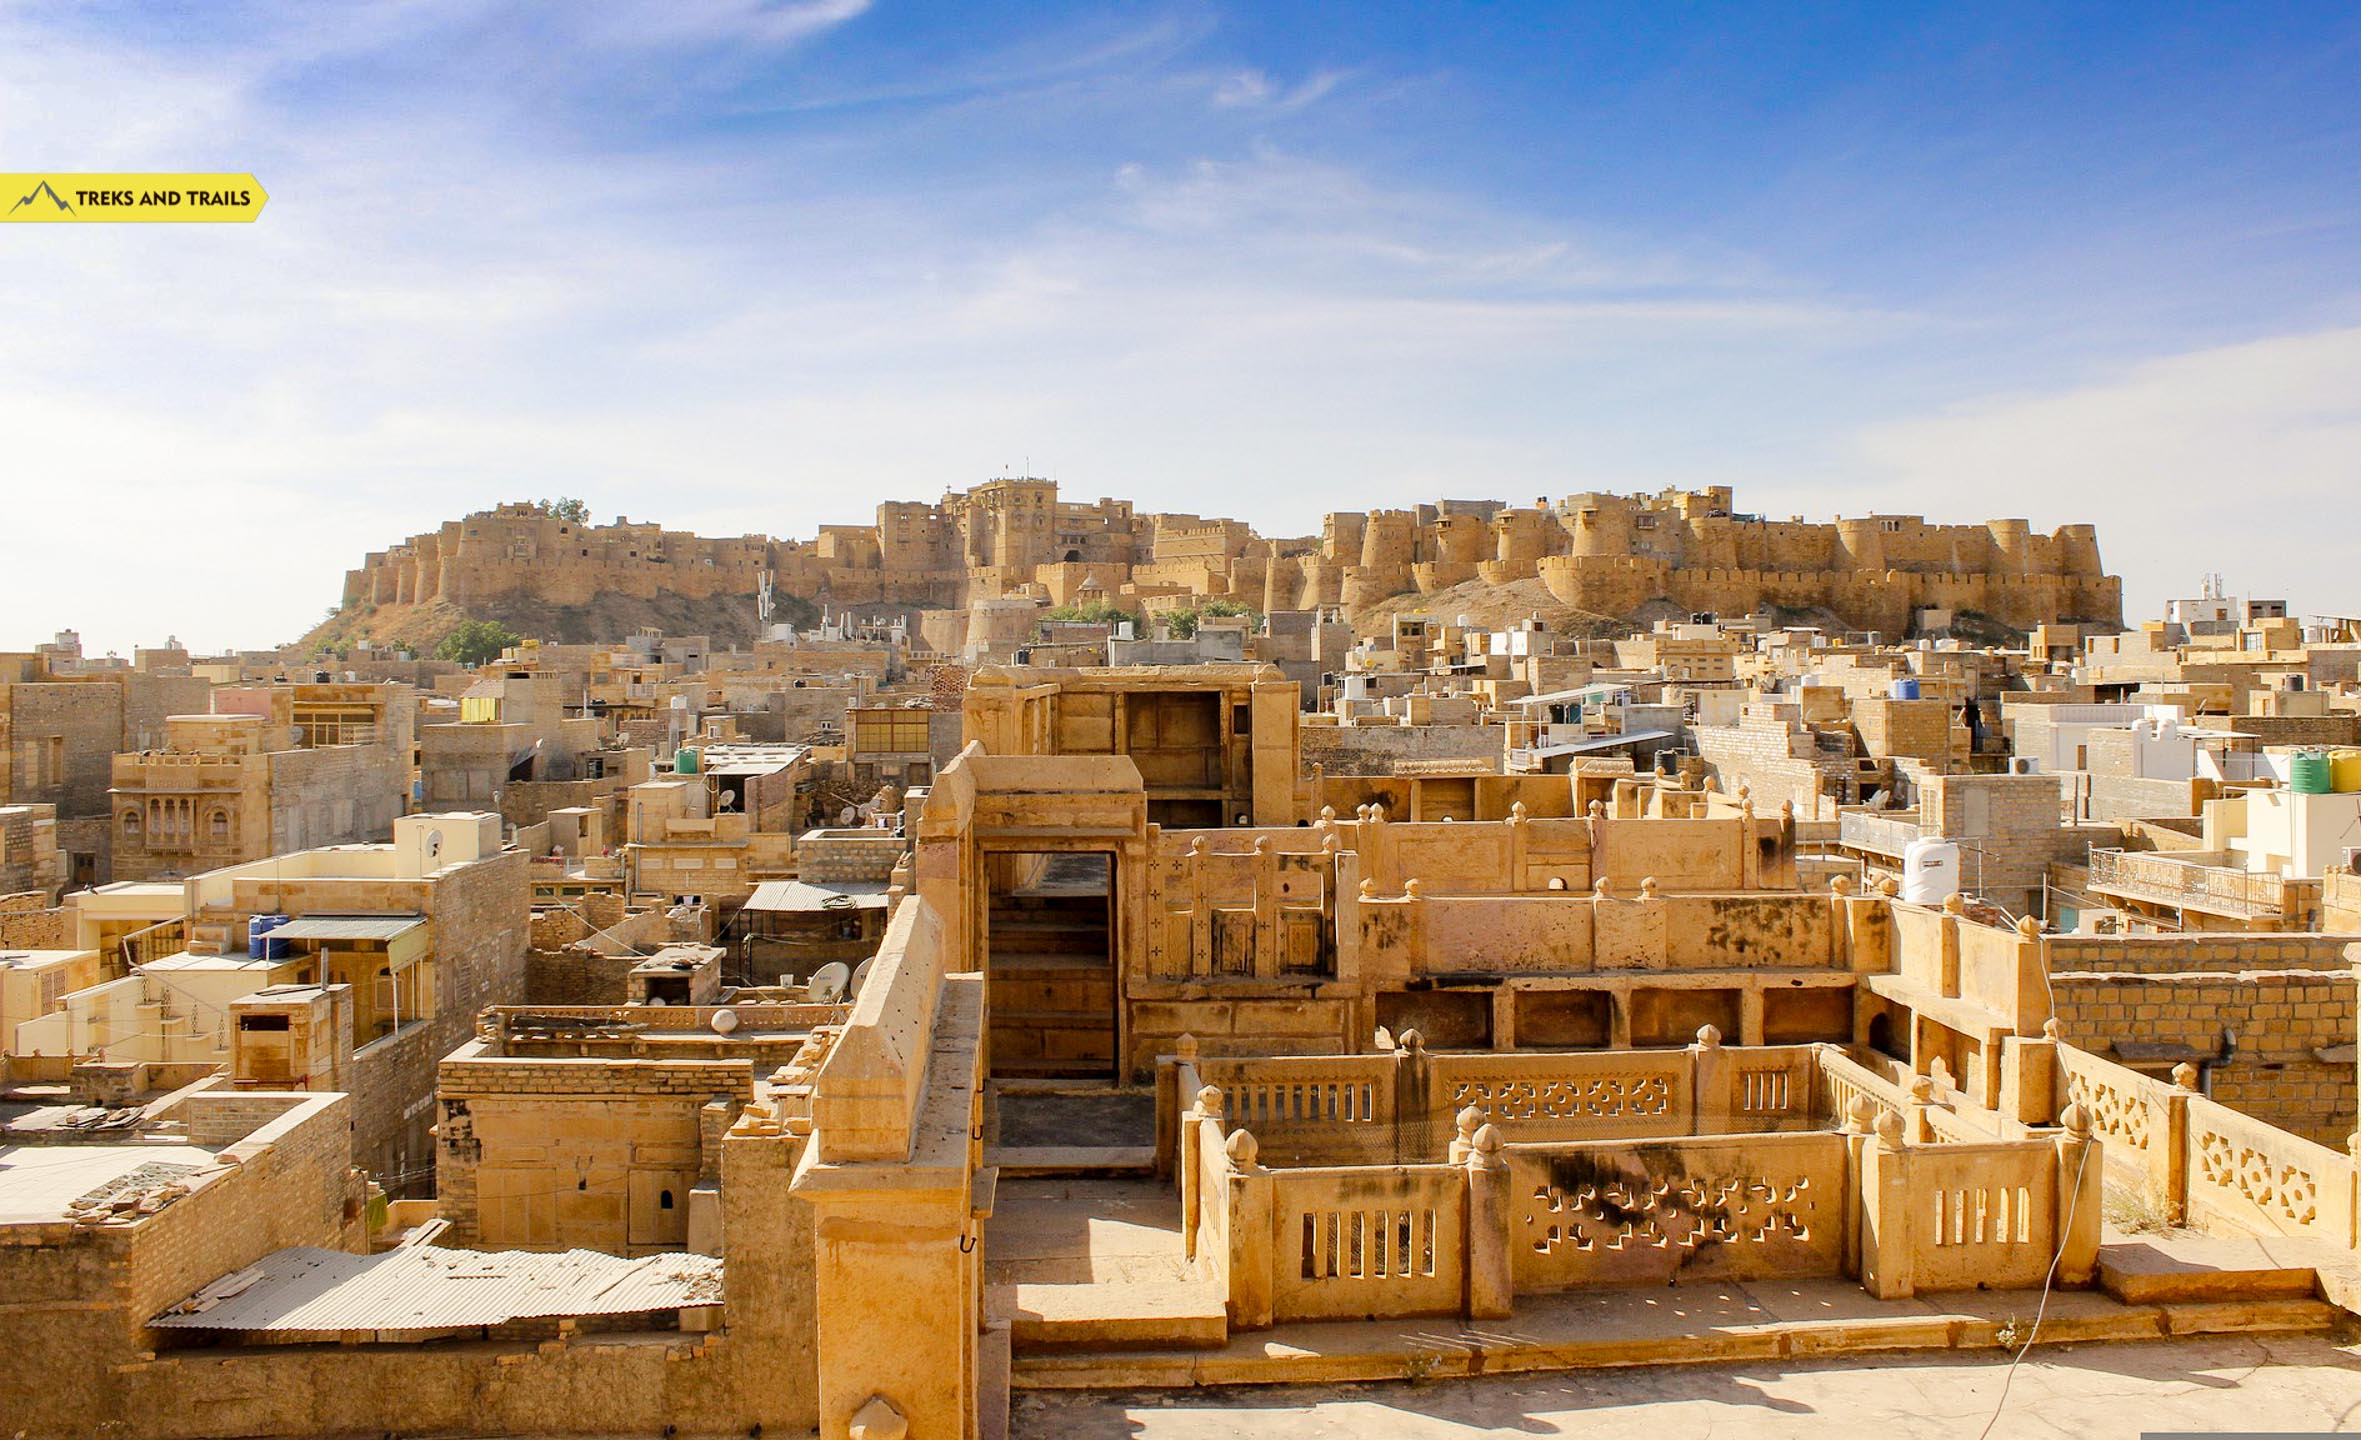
(36, 193)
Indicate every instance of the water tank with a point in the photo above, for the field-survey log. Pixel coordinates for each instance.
(259, 944)
(1905, 688)
(684, 761)
(2308, 772)
(1930, 871)
(2344, 771)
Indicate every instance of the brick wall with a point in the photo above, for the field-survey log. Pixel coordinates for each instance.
(1373, 749)
(2281, 1020)
(1760, 753)
(836, 855)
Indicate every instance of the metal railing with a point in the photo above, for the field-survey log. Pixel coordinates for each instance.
(2216, 889)
(1877, 834)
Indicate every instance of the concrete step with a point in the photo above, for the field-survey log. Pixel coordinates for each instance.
(1059, 939)
(1715, 1322)
(1112, 1161)
(1048, 962)
(2201, 1268)
(1160, 1315)
(1035, 1068)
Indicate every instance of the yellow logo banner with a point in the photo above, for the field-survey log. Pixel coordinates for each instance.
(61, 199)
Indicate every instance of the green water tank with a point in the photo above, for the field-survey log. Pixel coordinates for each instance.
(684, 762)
(2309, 773)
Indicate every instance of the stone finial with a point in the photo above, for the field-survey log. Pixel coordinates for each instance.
(1328, 814)
(2029, 926)
(1377, 812)
(877, 1419)
(1598, 809)
(1516, 813)
(1210, 1100)
(1411, 1042)
(1840, 884)
(1648, 887)
(1602, 887)
(2185, 1075)
(1368, 888)
(1955, 904)
(1861, 1115)
(1328, 844)
(1185, 1047)
(2051, 1029)
(2075, 1121)
(1888, 886)
(1196, 844)
(1410, 888)
(1787, 811)
(1922, 1088)
(1470, 1120)
(1708, 1036)
(1486, 1143)
(1745, 792)
(1746, 806)
(1889, 1131)
(1360, 812)
(1244, 1149)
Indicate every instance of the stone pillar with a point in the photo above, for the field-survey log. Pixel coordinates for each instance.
(1415, 1116)
(1860, 1133)
(1252, 1199)
(1207, 1111)
(1887, 1262)
(1709, 1079)
(2082, 1184)
(1491, 1279)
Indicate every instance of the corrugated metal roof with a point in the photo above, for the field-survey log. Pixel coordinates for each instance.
(424, 1288)
(348, 927)
(803, 895)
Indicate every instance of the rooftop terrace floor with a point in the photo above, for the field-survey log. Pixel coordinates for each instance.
(2220, 1383)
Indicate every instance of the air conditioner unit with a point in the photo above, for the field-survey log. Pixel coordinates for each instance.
(2021, 765)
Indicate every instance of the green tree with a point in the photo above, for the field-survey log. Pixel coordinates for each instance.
(569, 509)
(1097, 612)
(476, 642)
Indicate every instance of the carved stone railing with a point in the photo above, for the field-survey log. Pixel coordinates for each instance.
(1405, 1106)
(2247, 1176)
(1721, 1207)
(1403, 1240)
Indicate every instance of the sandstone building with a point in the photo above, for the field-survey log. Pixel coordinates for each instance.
(1607, 554)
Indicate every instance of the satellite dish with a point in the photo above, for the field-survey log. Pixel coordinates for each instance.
(860, 977)
(724, 1021)
(434, 843)
(826, 986)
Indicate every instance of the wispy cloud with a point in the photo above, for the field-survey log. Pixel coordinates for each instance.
(717, 263)
(1255, 90)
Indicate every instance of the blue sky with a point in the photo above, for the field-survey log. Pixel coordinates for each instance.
(754, 267)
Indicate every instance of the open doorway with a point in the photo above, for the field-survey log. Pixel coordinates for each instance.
(1049, 946)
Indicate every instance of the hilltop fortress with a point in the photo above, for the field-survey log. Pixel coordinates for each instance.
(1014, 539)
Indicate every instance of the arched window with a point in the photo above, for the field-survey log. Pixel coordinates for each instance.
(131, 824)
(664, 1200)
(217, 825)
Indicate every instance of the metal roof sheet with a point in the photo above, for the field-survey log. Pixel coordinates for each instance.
(348, 927)
(802, 895)
(421, 1287)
